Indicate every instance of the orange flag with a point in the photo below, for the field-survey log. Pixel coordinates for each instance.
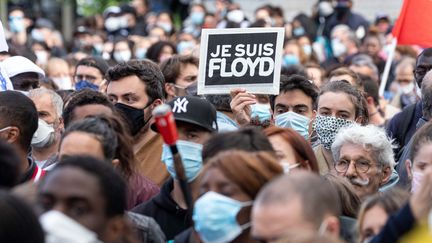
(414, 25)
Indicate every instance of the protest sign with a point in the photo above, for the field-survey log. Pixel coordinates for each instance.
(247, 58)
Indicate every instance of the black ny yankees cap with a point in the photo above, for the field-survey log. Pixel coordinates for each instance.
(193, 110)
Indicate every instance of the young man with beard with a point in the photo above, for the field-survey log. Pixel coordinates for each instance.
(136, 88)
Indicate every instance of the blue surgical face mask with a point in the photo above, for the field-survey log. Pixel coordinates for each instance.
(290, 59)
(191, 157)
(197, 18)
(338, 47)
(299, 31)
(262, 111)
(167, 27)
(182, 46)
(215, 217)
(140, 53)
(84, 84)
(307, 49)
(16, 24)
(295, 121)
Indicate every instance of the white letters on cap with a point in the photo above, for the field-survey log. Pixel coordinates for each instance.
(180, 105)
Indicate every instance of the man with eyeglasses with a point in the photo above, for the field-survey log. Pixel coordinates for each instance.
(89, 73)
(363, 155)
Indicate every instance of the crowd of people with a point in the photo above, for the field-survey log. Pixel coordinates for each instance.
(328, 159)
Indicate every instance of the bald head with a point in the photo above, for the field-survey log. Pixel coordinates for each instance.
(301, 201)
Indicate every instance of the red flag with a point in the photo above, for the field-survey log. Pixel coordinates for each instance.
(414, 25)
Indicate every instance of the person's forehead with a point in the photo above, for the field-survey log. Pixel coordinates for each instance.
(424, 153)
(354, 151)
(87, 70)
(188, 69)
(57, 67)
(81, 112)
(17, 13)
(272, 221)
(214, 176)
(293, 98)
(121, 45)
(81, 143)
(71, 182)
(336, 101)
(343, 77)
(44, 103)
(130, 84)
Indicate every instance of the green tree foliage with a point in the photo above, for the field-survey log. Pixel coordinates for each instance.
(92, 7)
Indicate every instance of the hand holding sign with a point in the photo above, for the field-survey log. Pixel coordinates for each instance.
(240, 104)
(240, 58)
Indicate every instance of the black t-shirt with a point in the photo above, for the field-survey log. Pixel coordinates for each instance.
(171, 218)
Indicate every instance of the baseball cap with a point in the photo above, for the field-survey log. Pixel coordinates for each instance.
(193, 110)
(18, 64)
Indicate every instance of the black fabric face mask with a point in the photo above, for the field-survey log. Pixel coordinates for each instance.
(134, 116)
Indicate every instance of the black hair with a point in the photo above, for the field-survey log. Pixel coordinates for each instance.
(155, 50)
(82, 98)
(9, 165)
(355, 95)
(294, 69)
(294, 82)
(220, 102)
(148, 72)
(18, 223)
(113, 136)
(96, 62)
(249, 139)
(102, 131)
(112, 185)
(371, 88)
(171, 67)
(18, 110)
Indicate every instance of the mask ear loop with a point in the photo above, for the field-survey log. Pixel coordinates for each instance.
(248, 224)
(323, 227)
(311, 129)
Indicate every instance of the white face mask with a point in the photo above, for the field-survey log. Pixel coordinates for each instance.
(63, 83)
(236, 16)
(60, 228)
(122, 56)
(338, 47)
(406, 89)
(42, 56)
(44, 135)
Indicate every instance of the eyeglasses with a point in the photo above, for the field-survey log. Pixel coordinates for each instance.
(89, 78)
(361, 166)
